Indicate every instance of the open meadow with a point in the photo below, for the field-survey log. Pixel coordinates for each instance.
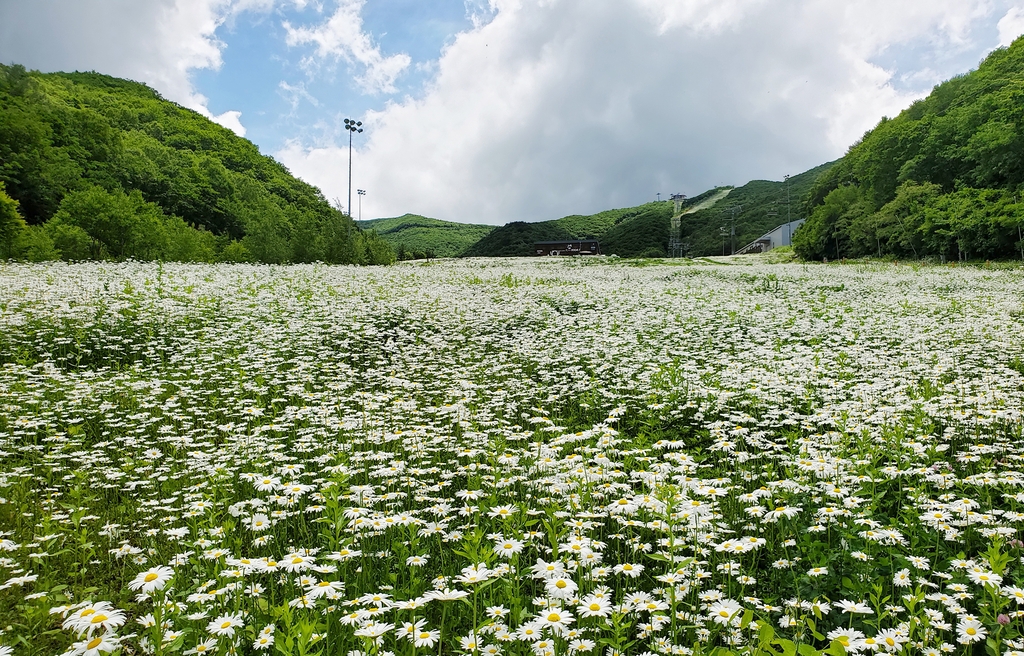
(515, 457)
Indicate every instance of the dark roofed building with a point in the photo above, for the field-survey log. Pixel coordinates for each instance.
(568, 247)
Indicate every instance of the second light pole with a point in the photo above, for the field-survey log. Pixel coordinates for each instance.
(351, 126)
(361, 192)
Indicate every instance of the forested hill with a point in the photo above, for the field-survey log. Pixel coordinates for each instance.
(944, 179)
(102, 167)
(415, 237)
(517, 238)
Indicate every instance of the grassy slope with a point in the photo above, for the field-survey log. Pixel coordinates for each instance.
(419, 233)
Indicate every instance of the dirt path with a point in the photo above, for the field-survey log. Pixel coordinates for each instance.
(704, 204)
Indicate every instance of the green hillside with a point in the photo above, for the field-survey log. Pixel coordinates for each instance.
(943, 179)
(101, 167)
(413, 235)
(643, 231)
(760, 205)
(632, 231)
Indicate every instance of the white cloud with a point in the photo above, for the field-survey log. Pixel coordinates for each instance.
(342, 36)
(1011, 26)
(230, 120)
(295, 94)
(158, 42)
(562, 106)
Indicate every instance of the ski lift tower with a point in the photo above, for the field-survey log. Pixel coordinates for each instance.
(675, 242)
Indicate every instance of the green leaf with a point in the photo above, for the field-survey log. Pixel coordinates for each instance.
(836, 649)
(788, 647)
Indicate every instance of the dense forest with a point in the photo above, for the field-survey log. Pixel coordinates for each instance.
(95, 167)
(944, 179)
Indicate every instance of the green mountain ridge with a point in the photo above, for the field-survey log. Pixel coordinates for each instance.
(101, 167)
(415, 235)
(643, 231)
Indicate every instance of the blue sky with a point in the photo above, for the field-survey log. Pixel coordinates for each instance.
(280, 99)
(489, 111)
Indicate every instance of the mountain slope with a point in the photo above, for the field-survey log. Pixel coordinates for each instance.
(643, 231)
(419, 234)
(114, 170)
(942, 179)
(755, 208)
(517, 238)
(632, 231)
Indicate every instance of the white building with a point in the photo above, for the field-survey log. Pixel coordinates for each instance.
(780, 236)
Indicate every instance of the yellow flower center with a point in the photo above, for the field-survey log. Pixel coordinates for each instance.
(94, 643)
(225, 624)
(971, 631)
(560, 584)
(554, 617)
(151, 577)
(99, 618)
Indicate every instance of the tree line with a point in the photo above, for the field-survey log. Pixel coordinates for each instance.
(943, 180)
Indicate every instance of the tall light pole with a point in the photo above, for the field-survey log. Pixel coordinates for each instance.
(361, 192)
(351, 126)
(789, 213)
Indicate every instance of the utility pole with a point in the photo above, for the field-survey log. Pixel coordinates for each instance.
(351, 126)
(1020, 237)
(732, 229)
(361, 192)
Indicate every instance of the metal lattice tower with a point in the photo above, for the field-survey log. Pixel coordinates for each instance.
(675, 242)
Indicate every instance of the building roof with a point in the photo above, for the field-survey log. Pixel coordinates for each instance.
(565, 241)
